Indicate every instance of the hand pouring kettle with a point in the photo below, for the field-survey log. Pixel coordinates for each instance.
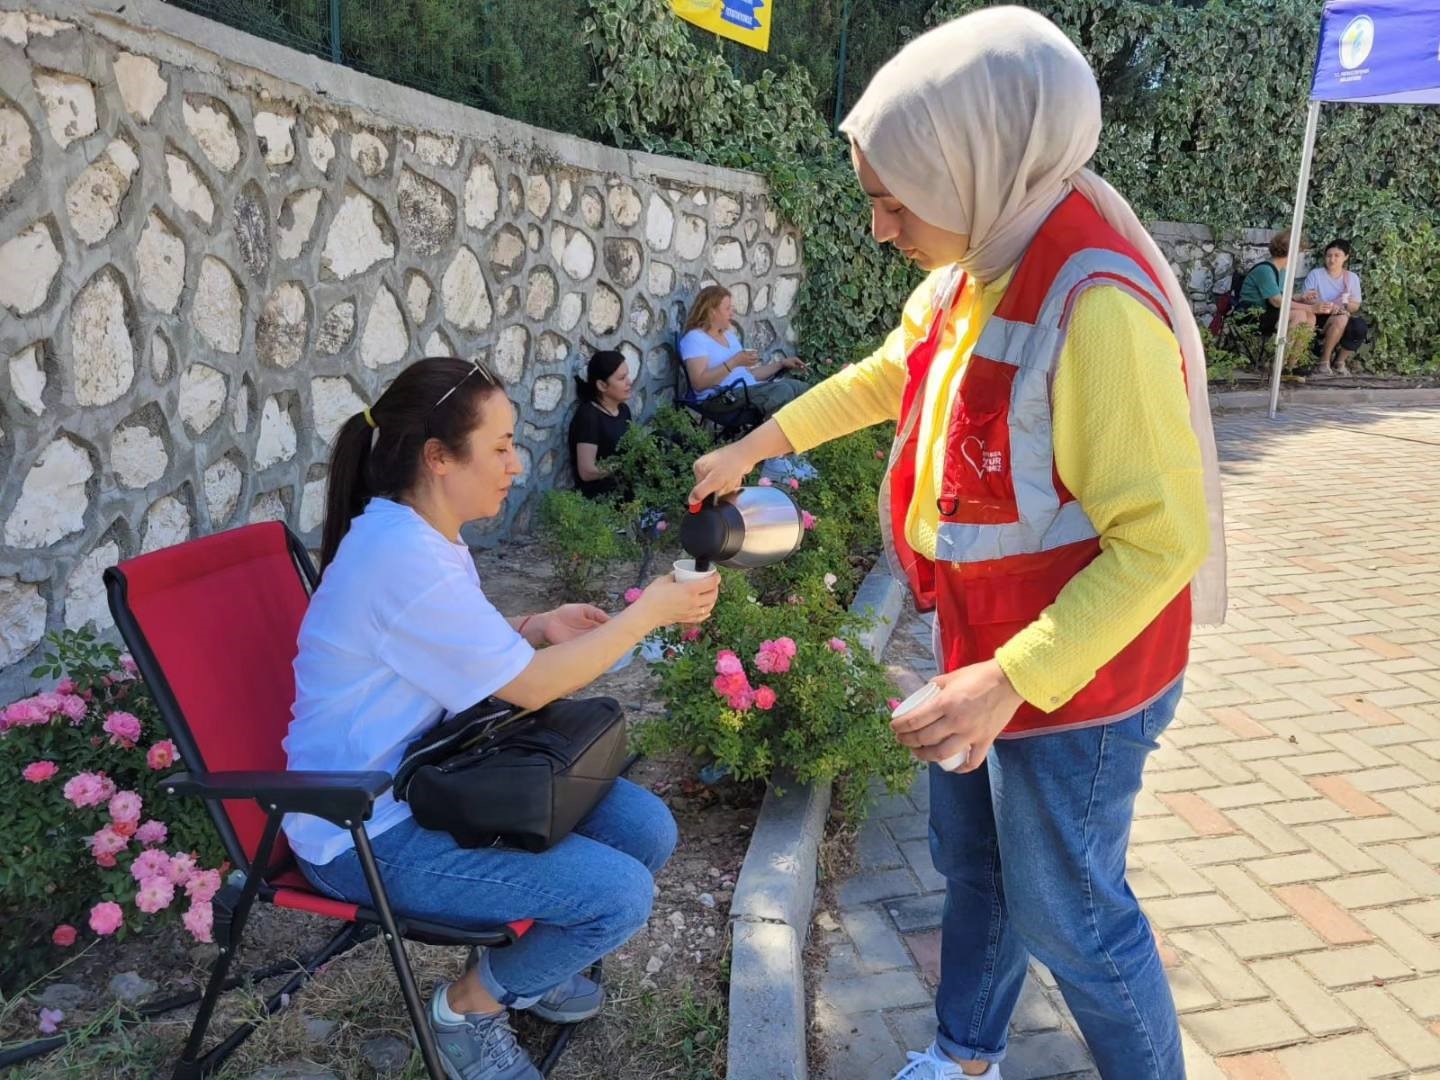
(747, 529)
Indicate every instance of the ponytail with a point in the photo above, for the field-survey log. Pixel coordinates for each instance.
(347, 488)
(378, 450)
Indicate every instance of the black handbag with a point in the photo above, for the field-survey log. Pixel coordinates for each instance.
(495, 775)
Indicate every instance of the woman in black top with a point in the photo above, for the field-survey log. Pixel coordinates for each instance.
(600, 422)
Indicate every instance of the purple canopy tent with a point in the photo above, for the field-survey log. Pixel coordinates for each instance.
(1372, 52)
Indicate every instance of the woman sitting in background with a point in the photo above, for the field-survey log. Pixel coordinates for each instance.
(398, 634)
(714, 358)
(1335, 294)
(600, 422)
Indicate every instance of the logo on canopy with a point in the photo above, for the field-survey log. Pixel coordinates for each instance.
(1356, 42)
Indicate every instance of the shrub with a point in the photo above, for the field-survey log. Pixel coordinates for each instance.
(582, 537)
(85, 847)
(653, 463)
(764, 687)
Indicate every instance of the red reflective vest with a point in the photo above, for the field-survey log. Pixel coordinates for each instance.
(1010, 536)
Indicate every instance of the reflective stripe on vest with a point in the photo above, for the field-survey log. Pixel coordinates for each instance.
(1043, 521)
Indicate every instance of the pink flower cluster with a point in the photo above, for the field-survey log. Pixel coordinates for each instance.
(633, 593)
(160, 876)
(775, 656)
(735, 687)
(41, 709)
(808, 519)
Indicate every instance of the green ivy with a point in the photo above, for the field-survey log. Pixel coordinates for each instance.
(661, 91)
(1204, 113)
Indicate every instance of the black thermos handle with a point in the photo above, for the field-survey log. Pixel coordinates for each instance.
(702, 564)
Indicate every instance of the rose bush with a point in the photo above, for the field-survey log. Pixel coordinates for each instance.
(88, 844)
(766, 687)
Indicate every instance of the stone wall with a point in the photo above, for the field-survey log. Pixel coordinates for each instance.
(213, 250)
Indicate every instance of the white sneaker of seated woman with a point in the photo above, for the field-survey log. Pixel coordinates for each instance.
(935, 1064)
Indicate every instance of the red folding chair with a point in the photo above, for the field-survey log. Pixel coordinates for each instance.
(212, 625)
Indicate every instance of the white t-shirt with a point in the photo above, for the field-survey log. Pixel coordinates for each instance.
(397, 635)
(698, 343)
(1329, 288)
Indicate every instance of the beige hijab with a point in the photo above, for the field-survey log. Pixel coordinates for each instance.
(982, 126)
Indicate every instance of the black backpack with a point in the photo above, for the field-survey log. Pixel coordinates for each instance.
(1237, 281)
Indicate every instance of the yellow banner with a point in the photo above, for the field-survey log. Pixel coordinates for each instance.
(739, 20)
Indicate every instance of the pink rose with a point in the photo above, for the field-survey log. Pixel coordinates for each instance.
(123, 728)
(727, 663)
(774, 656)
(28, 712)
(128, 665)
(202, 885)
(892, 703)
(66, 685)
(50, 1021)
(794, 484)
(154, 895)
(152, 833)
(633, 593)
(125, 806)
(730, 685)
(37, 772)
(807, 519)
(85, 789)
(199, 920)
(162, 755)
(765, 698)
(741, 702)
(181, 867)
(107, 842)
(838, 645)
(64, 935)
(879, 455)
(786, 646)
(124, 828)
(73, 707)
(107, 788)
(150, 863)
(765, 481)
(106, 917)
(693, 634)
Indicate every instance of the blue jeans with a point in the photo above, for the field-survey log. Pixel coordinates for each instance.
(588, 894)
(1032, 845)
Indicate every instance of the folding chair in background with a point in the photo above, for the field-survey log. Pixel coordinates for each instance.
(212, 625)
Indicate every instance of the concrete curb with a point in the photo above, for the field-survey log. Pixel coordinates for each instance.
(1252, 400)
(775, 894)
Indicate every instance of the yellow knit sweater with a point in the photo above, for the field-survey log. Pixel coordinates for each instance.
(1123, 447)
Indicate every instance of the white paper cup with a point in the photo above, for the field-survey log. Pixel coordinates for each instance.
(685, 570)
(914, 701)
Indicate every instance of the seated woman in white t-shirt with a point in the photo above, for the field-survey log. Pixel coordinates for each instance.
(714, 358)
(399, 633)
(1334, 293)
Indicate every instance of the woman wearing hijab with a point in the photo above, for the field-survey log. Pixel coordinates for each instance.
(1052, 494)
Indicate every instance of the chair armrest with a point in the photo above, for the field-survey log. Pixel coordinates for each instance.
(341, 798)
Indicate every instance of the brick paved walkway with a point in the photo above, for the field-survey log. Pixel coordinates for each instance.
(1287, 843)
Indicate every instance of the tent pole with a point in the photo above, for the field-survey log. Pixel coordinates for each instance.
(1297, 227)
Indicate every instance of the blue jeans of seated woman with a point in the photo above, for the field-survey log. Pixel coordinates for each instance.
(1032, 846)
(588, 894)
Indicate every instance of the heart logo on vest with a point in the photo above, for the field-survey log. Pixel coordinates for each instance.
(981, 460)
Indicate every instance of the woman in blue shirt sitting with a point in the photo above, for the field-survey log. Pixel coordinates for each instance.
(400, 633)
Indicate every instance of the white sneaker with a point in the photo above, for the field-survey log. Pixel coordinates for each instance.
(935, 1064)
